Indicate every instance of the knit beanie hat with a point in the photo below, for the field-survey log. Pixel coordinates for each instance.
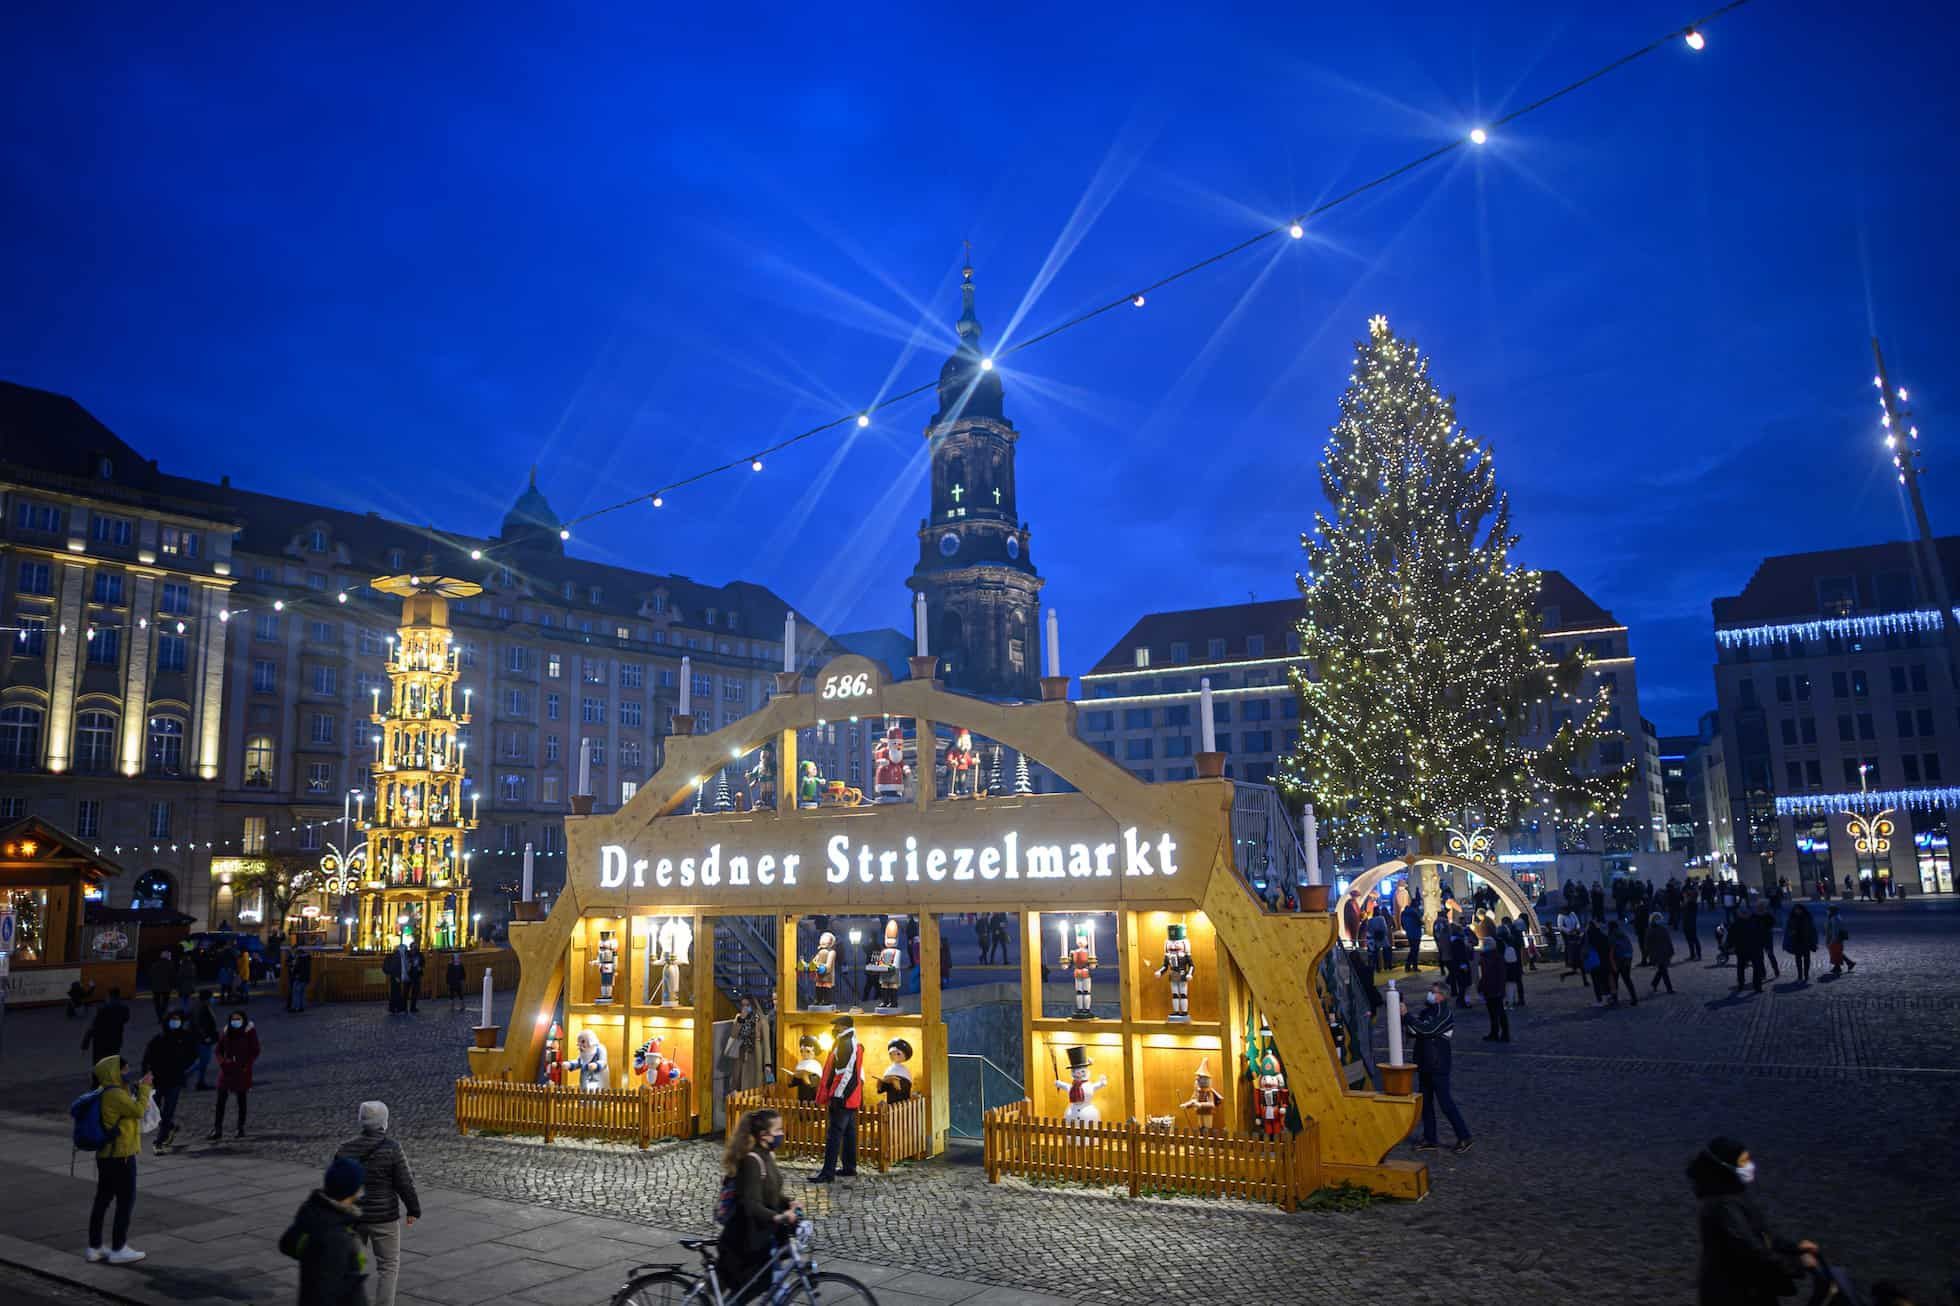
(374, 1115)
(1726, 1150)
(344, 1178)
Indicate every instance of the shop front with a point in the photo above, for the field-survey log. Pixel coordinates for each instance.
(46, 880)
(1171, 966)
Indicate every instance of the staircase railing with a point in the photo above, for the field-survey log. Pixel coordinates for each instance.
(745, 955)
(978, 1084)
(1266, 847)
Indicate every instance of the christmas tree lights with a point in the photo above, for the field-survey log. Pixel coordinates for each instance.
(1424, 671)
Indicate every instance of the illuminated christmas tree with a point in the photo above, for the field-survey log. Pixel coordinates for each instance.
(1422, 635)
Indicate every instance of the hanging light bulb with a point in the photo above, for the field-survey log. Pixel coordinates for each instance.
(279, 605)
(864, 419)
(225, 615)
(755, 464)
(986, 365)
(476, 555)
(1694, 39)
(564, 532)
(341, 597)
(1137, 300)
(180, 628)
(1296, 230)
(1478, 136)
(658, 502)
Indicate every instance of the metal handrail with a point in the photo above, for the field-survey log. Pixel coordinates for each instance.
(1020, 1089)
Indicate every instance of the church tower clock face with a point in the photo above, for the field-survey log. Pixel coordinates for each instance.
(981, 589)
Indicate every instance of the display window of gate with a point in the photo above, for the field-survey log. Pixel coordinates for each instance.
(630, 982)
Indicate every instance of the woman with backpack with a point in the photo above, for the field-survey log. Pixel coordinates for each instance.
(238, 1049)
(114, 1115)
(755, 1216)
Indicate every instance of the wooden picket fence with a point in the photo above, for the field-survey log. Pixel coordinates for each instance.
(1017, 1142)
(888, 1132)
(615, 1115)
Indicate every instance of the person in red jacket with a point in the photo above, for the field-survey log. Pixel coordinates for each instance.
(841, 1089)
(238, 1048)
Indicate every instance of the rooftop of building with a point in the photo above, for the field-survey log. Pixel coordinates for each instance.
(889, 648)
(1866, 579)
(55, 441)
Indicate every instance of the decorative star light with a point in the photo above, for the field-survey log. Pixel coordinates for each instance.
(1378, 325)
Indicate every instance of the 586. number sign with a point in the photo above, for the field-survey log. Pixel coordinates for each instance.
(847, 686)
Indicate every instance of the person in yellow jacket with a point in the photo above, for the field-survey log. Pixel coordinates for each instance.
(115, 1162)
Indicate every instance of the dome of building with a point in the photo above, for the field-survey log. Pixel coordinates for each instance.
(531, 523)
(965, 388)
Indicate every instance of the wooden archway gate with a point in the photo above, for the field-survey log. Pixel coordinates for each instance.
(613, 865)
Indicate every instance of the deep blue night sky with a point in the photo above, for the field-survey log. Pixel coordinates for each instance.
(388, 258)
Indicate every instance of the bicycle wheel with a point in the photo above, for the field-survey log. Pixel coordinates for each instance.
(830, 1290)
(663, 1288)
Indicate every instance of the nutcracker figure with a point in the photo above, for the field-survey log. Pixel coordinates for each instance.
(1178, 966)
(554, 1072)
(807, 1070)
(1204, 1099)
(1270, 1102)
(809, 785)
(1081, 1089)
(608, 963)
(961, 764)
(888, 766)
(1082, 960)
(896, 1082)
(823, 973)
(889, 967)
(762, 780)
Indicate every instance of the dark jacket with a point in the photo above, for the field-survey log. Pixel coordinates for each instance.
(453, 974)
(204, 1023)
(1432, 1025)
(332, 1266)
(1596, 942)
(105, 1032)
(1411, 922)
(1660, 943)
(390, 1188)
(170, 1054)
(162, 974)
(1741, 1263)
(1800, 931)
(1490, 979)
(301, 969)
(749, 1238)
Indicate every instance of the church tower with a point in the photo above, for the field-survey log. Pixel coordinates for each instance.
(982, 593)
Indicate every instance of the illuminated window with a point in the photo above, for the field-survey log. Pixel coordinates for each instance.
(166, 745)
(95, 741)
(258, 762)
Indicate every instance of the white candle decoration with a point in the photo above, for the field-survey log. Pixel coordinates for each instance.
(377, 701)
(789, 641)
(1394, 1026)
(919, 622)
(527, 872)
(687, 685)
(584, 765)
(466, 701)
(488, 985)
(1207, 737)
(1054, 645)
(473, 801)
(1313, 846)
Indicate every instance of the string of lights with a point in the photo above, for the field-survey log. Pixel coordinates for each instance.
(1693, 36)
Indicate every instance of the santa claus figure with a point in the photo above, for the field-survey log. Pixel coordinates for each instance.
(888, 766)
(807, 1070)
(896, 1082)
(651, 1065)
(1081, 1089)
(1177, 965)
(608, 963)
(1204, 1099)
(961, 765)
(1081, 959)
(1270, 1096)
(823, 973)
(590, 1063)
(889, 967)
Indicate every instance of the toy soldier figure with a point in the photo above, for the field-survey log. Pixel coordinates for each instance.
(1204, 1098)
(823, 973)
(961, 761)
(1178, 965)
(896, 1082)
(840, 1089)
(608, 963)
(888, 766)
(1082, 959)
(1081, 1089)
(807, 1070)
(554, 1070)
(1271, 1098)
(889, 968)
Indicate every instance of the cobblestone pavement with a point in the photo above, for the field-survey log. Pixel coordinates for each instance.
(1844, 1089)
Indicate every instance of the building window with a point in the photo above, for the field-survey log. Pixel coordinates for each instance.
(629, 754)
(466, 653)
(394, 559)
(159, 820)
(175, 598)
(265, 676)
(592, 711)
(1136, 718)
(309, 838)
(703, 687)
(322, 728)
(1177, 746)
(326, 681)
(316, 540)
(32, 516)
(251, 837)
(1214, 649)
(1257, 709)
(632, 675)
(171, 653)
(594, 670)
(111, 530)
(517, 658)
(104, 646)
(108, 587)
(1256, 741)
(627, 788)
(370, 642)
(88, 818)
(551, 747)
(95, 741)
(322, 632)
(552, 662)
(316, 580)
(1255, 646)
(1143, 656)
(35, 578)
(265, 626)
(514, 703)
(551, 707)
(319, 777)
(548, 788)
(1180, 651)
(734, 691)
(513, 788)
(1098, 720)
(1136, 750)
(629, 714)
(258, 762)
(1221, 714)
(166, 745)
(31, 639)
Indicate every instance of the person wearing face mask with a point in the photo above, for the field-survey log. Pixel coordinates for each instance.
(1432, 1028)
(168, 1057)
(238, 1048)
(332, 1263)
(760, 1217)
(1742, 1262)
